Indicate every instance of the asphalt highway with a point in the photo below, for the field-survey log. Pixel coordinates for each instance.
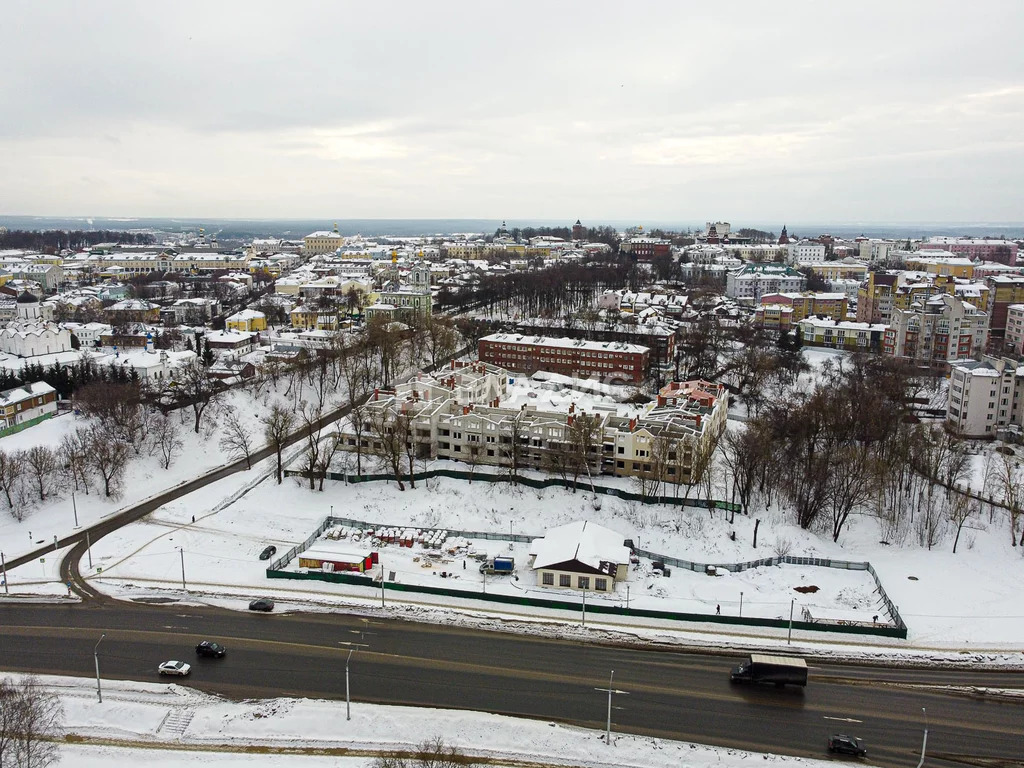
(671, 694)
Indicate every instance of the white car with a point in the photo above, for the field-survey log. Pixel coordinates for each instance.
(174, 668)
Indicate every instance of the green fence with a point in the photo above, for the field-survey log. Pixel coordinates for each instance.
(611, 610)
(14, 429)
(534, 482)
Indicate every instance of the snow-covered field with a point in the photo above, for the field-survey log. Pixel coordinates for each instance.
(173, 725)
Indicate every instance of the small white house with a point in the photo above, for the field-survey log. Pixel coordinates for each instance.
(580, 555)
(27, 403)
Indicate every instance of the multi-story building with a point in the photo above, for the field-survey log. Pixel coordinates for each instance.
(874, 299)
(457, 414)
(846, 269)
(1014, 337)
(941, 263)
(659, 337)
(570, 357)
(28, 404)
(805, 252)
(751, 281)
(1004, 291)
(1003, 251)
(646, 248)
(984, 396)
(939, 330)
(322, 242)
(873, 251)
(781, 310)
(845, 334)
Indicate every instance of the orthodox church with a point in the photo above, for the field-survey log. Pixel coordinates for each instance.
(33, 331)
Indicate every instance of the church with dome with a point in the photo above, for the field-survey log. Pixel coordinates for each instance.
(33, 331)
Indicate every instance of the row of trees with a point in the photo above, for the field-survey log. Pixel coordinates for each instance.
(850, 446)
(31, 725)
(553, 291)
(56, 239)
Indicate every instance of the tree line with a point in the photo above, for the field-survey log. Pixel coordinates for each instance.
(56, 239)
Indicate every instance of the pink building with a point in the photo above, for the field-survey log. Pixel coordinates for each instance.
(1003, 251)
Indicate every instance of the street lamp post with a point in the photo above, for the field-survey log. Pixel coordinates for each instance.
(741, 605)
(583, 615)
(789, 637)
(181, 551)
(88, 548)
(610, 690)
(96, 658)
(924, 740)
(348, 702)
(74, 508)
(3, 562)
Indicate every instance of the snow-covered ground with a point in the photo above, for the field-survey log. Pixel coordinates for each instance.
(173, 725)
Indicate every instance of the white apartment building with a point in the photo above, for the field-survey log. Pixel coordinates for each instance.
(805, 252)
(752, 281)
(873, 250)
(984, 396)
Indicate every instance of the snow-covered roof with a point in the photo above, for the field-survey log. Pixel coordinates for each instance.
(583, 541)
(564, 343)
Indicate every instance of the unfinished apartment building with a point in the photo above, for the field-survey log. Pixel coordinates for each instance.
(457, 414)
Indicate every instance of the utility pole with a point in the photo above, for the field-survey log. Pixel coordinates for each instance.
(610, 690)
(3, 562)
(88, 549)
(789, 637)
(741, 605)
(351, 649)
(96, 658)
(583, 616)
(74, 508)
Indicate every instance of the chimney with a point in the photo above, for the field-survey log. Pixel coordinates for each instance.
(568, 419)
(572, 408)
(376, 394)
(632, 424)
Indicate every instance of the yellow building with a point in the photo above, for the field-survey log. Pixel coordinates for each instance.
(323, 241)
(308, 318)
(944, 264)
(847, 269)
(780, 310)
(248, 320)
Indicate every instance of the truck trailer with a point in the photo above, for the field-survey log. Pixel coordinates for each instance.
(498, 565)
(780, 670)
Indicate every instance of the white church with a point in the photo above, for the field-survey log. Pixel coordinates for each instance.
(33, 331)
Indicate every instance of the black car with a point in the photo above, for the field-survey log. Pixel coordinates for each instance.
(211, 650)
(268, 553)
(262, 604)
(846, 745)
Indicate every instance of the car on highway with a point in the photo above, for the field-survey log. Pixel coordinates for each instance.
(262, 604)
(179, 668)
(268, 553)
(846, 745)
(211, 649)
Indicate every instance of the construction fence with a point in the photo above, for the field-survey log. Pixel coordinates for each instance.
(895, 627)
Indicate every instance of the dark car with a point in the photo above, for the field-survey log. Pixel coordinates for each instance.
(268, 553)
(262, 604)
(211, 650)
(846, 745)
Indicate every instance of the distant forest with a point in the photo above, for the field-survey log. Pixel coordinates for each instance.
(55, 239)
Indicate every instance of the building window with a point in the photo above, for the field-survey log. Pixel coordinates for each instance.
(601, 585)
(548, 579)
(564, 580)
(583, 582)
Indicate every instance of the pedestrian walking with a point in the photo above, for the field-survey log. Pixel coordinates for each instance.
(718, 610)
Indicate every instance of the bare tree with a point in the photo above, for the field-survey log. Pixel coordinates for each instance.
(404, 434)
(166, 438)
(110, 458)
(74, 455)
(31, 725)
(332, 444)
(1011, 484)
(961, 509)
(432, 753)
(584, 444)
(310, 417)
(512, 442)
(193, 387)
(237, 440)
(12, 467)
(277, 425)
(386, 447)
(42, 466)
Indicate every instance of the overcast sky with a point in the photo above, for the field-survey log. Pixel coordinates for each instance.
(893, 111)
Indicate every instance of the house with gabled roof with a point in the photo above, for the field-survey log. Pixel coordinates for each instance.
(581, 555)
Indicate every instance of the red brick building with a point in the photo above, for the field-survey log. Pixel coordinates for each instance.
(570, 357)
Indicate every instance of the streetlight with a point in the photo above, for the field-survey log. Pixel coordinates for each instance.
(351, 649)
(924, 741)
(96, 658)
(182, 552)
(74, 508)
(611, 690)
(3, 562)
(789, 637)
(741, 605)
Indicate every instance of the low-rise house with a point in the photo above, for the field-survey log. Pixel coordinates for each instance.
(23, 406)
(232, 340)
(246, 320)
(581, 555)
(846, 334)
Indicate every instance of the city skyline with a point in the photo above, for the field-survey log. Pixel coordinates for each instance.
(756, 113)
